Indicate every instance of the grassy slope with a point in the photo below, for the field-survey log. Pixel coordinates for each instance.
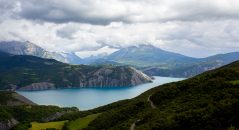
(235, 82)
(42, 126)
(82, 122)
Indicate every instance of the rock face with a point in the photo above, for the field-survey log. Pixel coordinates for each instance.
(7, 125)
(10, 98)
(39, 86)
(55, 116)
(115, 77)
(22, 100)
(138, 77)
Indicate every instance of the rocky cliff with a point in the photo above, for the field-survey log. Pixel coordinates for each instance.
(8, 124)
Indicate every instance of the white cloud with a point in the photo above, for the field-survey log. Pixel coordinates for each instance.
(191, 27)
(106, 50)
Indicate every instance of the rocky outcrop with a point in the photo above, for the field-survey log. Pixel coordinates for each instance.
(10, 98)
(115, 77)
(7, 125)
(21, 100)
(38, 86)
(55, 116)
(139, 77)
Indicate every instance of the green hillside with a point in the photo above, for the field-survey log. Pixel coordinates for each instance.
(208, 101)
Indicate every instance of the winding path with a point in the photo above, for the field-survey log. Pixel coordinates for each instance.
(152, 106)
(151, 103)
(133, 125)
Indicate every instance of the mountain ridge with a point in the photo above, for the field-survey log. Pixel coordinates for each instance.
(155, 61)
(28, 48)
(34, 73)
(147, 58)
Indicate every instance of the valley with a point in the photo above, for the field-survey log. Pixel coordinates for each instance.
(213, 93)
(119, 65)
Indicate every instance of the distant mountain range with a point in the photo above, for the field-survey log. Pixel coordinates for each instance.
(155, 61)
(23, 72)
(148, 55)
(147, 58)
(28, 48)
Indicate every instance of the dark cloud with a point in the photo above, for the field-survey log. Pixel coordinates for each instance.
(58, 12)
(101, 12)
(66, 32)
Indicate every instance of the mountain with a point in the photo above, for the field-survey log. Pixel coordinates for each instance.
(199, 66)
(70, 58)
(24, 72)
(155, 61)
(148, 55)
(28, 48)
(209, 101)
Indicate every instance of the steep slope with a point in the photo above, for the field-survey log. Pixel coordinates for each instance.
(28, 48)
(32, 73)
(9, 98)
(207, 101)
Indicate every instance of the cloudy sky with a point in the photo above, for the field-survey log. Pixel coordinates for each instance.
(196, 28)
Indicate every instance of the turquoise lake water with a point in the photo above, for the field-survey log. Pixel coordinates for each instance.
(89, 98)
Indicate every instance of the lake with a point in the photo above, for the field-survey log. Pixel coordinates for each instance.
(89, 98)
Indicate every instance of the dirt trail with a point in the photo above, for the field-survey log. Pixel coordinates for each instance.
(152, 106)
(151, 103)
(133, 125)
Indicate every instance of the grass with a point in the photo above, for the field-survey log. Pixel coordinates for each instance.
(232, 128)
(82, 122)
(43, 126)
(235, 82)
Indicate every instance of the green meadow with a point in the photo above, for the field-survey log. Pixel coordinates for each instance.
(82, 122)
(43, 126)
